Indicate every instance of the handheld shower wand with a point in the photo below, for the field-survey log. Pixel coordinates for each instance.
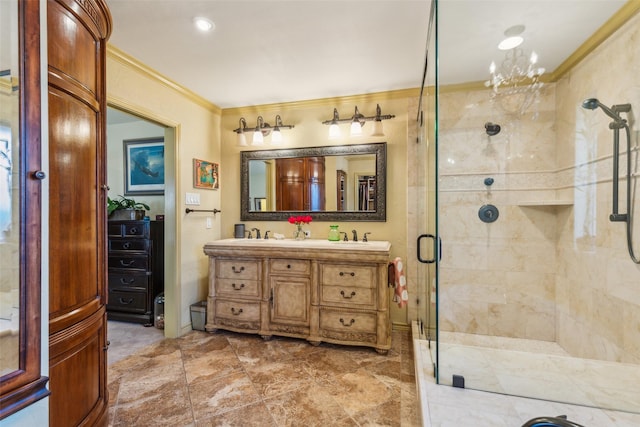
(617, 124)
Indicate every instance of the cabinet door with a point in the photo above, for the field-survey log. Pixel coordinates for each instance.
(77, 214)
(290, 300)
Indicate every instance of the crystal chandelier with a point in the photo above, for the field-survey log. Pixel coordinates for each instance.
(516, 84)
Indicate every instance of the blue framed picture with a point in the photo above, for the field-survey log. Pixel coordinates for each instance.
(144, 166)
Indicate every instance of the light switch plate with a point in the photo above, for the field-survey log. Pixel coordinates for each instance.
(192, 199)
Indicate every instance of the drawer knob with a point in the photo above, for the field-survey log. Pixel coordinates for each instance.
(353, 294)
(288, 265)
(124, 280)
(345, 324)
(133, 230)
(240, 270)
(350, 273)
(127, 264)
(236, 287)
(126, 245)
(236, 312)
(125, 302)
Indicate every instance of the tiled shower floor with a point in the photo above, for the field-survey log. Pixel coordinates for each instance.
(500, 365)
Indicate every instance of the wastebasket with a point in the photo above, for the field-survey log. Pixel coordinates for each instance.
(198, 315)
(158, 311)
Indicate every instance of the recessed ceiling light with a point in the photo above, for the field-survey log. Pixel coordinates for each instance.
(203, 24)
(510, 43)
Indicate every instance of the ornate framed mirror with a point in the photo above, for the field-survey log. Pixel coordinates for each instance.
(334, 183)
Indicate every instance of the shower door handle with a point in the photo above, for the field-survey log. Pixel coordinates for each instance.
(437, 248)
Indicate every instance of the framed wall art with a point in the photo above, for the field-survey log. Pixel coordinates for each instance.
(144, 166)
(205, 175)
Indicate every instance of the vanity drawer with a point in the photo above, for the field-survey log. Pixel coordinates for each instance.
(139, 245)
(241, 311)
(133, 302)
(350, 275)
(347, 321)
(129, 281)
(348, 296)
(129, 262)
(247, 269)
(238, 288)
(295, 266)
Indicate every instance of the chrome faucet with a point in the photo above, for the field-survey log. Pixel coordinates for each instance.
(364, 238)
(257, 230)
(355, 235)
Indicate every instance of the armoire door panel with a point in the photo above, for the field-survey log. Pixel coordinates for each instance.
(73, 210)
(68, 34)
(74, 355)
(77, 33)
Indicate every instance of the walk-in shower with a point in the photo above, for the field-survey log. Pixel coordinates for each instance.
(617, 124)
(542, 302)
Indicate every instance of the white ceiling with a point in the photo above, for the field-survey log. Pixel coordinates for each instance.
(271, 51)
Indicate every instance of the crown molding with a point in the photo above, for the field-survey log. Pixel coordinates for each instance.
(375, 97)
(625, 13)
(117, 55)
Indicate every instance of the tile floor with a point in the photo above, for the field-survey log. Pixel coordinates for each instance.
(203, 379)
(232, 379)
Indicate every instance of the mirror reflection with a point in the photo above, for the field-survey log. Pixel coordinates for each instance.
(340, 182)
(9, 202)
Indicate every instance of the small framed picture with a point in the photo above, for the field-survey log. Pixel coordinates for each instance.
(144, 166)
(205, 175)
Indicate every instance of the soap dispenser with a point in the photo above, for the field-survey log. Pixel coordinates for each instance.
(334, 233)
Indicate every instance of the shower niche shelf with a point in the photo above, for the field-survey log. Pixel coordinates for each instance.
(556, 203)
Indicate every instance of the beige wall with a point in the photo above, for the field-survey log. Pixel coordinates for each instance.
(552, 267)
(598, 286)
(133, 88)
(307, 117)
(205, 132)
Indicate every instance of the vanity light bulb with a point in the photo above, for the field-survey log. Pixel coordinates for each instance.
(377, 128)
(356, 128)
(258, 139)
(276, 137)
(334, 131)
(242, 140)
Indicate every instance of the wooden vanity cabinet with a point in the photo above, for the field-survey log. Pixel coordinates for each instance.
(314, 290)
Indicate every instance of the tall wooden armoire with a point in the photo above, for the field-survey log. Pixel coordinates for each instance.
(77, 31)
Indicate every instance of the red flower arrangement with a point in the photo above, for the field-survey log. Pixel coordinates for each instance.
(299, 220)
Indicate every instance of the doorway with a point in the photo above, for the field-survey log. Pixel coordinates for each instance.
(125, 128)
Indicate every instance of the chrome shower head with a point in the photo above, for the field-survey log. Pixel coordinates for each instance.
(590, 103)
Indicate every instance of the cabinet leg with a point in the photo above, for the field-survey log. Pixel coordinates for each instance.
(266, 337)
(382, 351)
(314, 343)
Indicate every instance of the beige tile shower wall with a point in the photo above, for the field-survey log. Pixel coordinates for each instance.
(598, 287)
(497, 278)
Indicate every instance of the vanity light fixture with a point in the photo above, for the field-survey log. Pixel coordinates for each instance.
(261, 130)
(258, 137)
(242, 139)
(357, 121)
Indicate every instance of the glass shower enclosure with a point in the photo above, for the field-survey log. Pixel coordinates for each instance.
(532, 291)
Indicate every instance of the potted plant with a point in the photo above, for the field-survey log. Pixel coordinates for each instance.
(125, 208)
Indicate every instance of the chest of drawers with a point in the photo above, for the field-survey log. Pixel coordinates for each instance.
(135, 269)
